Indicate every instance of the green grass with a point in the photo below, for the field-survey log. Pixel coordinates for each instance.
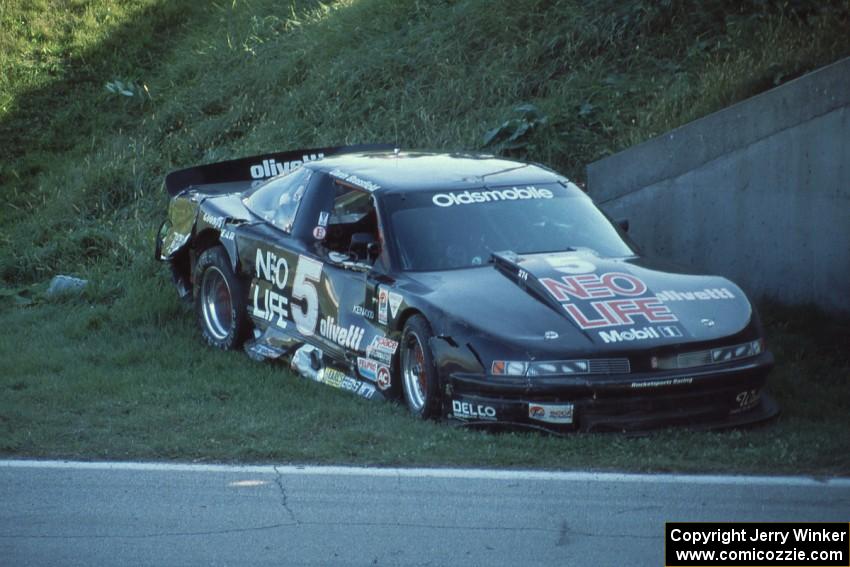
(120, 371)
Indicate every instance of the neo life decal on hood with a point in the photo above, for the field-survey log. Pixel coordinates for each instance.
(614, 305)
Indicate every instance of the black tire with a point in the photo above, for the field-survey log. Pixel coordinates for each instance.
(220, 301)
(417, 372)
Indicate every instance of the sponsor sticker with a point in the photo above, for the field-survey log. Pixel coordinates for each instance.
(746, 400)
(354, 180)
(227, 235)
(368, 368)
(270, 304)
(384, 380)
(213, 221)
(551, 413)
(347, 337)
(383, 301)
(324, 216)
(270, 167)
(332, 377)
(366, 390)
(486, 196)
(382, 349)
(363, 312)
(469, 410)
(613, 299)
(707, 294)
(350, 384)
(319, 233)
(395, 302)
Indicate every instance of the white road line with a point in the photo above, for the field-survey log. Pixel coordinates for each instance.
(478, 474)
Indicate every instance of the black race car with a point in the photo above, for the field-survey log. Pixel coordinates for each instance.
(476, 288)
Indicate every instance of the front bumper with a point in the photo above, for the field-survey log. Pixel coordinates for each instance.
(726, 395)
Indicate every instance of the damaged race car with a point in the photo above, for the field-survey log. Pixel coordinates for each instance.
(475, 288)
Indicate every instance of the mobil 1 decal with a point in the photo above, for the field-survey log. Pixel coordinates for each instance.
(617, 306)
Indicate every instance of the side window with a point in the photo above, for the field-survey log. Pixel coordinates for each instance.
(277, 201)
(353, 224)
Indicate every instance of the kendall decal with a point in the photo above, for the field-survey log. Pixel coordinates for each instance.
(270, 168)
(471, 197)
(594, 301)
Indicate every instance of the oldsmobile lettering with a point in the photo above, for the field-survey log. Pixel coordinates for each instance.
(471, 197)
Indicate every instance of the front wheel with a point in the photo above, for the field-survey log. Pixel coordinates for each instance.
(418, 373)
(219, 301)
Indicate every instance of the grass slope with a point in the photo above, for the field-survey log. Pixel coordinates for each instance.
(99, 99)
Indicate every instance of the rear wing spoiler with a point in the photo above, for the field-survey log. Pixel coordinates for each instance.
(256, 167)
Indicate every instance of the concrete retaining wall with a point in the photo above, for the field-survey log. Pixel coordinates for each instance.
(758, 192)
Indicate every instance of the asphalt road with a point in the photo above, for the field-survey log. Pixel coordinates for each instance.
(54, 513)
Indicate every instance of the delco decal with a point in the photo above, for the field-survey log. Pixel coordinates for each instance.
(471, 197)
(592, 300)
(551, 413)
(468, 410)
(706, 294)
(349, 338)
(270, 168)
(275, 270)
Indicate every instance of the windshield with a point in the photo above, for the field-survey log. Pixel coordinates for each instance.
(457, 229)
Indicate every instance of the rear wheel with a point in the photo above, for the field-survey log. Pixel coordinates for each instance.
(219, 301)
(418, 373)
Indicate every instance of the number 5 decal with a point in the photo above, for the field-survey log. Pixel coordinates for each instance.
(307, 275)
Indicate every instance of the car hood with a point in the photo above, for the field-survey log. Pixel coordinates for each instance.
(575, 301)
